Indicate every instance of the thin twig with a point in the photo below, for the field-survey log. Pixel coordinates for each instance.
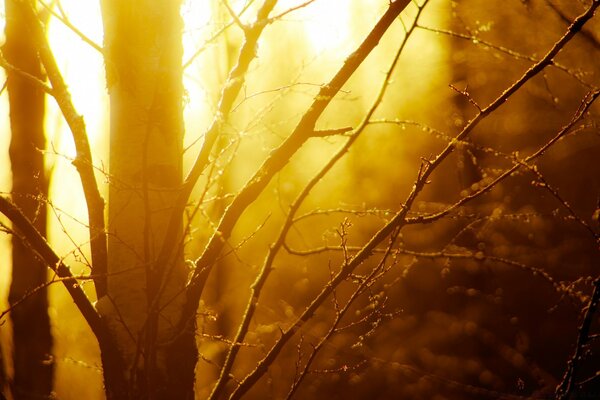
(234, 16)
(37, 242)
(31, 78)
(290, 10)
(340, 314)
(66, 22)
(586, 103)
(586, 34)
(482, 42)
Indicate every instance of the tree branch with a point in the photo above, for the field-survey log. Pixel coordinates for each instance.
(566, 387)
(38, 244)
(33, 79)
(232, 87)
(83, 160)
(66, 22)
(586, 103)
(281, 155)
(111, 360)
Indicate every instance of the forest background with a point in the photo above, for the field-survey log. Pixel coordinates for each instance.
(472, 135)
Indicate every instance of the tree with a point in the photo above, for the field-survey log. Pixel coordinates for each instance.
(33, 366)
(361, 298)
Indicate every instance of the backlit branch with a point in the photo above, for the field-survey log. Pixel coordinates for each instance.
(586, 103)
(567, 386)
(230, 92)
(516, 55)
(340, 313)
(83, 160)
(62, 17)
(33, 79)
(281, 155)
(38, 244)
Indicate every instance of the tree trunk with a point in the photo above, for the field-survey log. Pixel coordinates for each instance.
(33, 365)
(143, 51)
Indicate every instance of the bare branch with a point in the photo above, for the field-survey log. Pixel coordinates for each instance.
(290, 10)
(33, 79)
(202, 48)
(66, 22)
(567, 386)
(341, 312)
(280, 241)
(230, 92)
(586, 103)
(234, 16)
(585, 33)
(280, 156)
(83, 160)
(482, 42)
(43, 249)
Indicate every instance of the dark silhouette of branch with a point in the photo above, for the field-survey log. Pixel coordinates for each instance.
(585, 104)
(290, 10)
(568, 384)
(510, 52)
(586, 34)
(54, 262)
(113, 365)
(340, 312)
(35, 80)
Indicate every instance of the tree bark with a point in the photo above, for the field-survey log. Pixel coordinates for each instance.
(33, 364)
(143, 52)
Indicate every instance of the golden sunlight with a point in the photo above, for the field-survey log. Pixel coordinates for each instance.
(82, 66)
(379, 199)
(83, 70)
(327, 25)
(198, 67)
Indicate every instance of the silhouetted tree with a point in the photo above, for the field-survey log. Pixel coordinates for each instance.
(32, 339)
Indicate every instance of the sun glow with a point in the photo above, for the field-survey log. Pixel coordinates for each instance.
(296, 55)
(198, 31)
(326, 25)
(82, 67)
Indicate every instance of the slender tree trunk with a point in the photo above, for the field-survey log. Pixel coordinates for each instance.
(33, 366)
(143, 51)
